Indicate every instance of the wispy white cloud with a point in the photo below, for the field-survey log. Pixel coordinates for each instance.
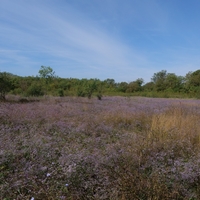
(65, 37)
(88, 38)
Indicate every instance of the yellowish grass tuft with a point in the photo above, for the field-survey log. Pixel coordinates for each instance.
(175, 123)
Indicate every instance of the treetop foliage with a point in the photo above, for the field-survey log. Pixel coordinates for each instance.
(46, 73)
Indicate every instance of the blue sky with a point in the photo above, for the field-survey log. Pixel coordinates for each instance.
(123, 40)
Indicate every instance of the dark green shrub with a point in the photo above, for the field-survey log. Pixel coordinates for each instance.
(80, 92)
(5, 85)
(61, 92)
(99, 96)
(35, 90)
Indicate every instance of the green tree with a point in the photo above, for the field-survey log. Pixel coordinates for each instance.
(174, 82)
(122, 87)
(5, 85)
(192, 83)
(159, 79)
(35, 90)
(46, 73)
(110, 83)
(149, 86)
(98, 88)
(194, 78)
(91, 86)
(135, 86)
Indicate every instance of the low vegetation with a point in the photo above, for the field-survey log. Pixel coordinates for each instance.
(117, 148)
(162, 84)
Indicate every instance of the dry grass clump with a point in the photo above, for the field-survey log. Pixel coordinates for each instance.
(117, 148)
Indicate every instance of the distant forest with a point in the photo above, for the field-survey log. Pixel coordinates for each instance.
(163, 84)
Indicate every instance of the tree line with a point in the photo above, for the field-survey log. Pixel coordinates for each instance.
(162, 84)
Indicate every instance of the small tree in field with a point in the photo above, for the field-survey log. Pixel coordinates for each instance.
(5, 85)
(90, 88)
(46, 73)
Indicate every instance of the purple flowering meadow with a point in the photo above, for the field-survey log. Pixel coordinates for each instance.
(116, 148)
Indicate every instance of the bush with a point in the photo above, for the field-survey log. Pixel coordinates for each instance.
(17, 91)
(99, 96)
(5, 85)
(61, 92)
(35, 90)
(81, 93)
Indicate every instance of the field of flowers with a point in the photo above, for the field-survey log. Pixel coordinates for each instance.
(118, 148)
